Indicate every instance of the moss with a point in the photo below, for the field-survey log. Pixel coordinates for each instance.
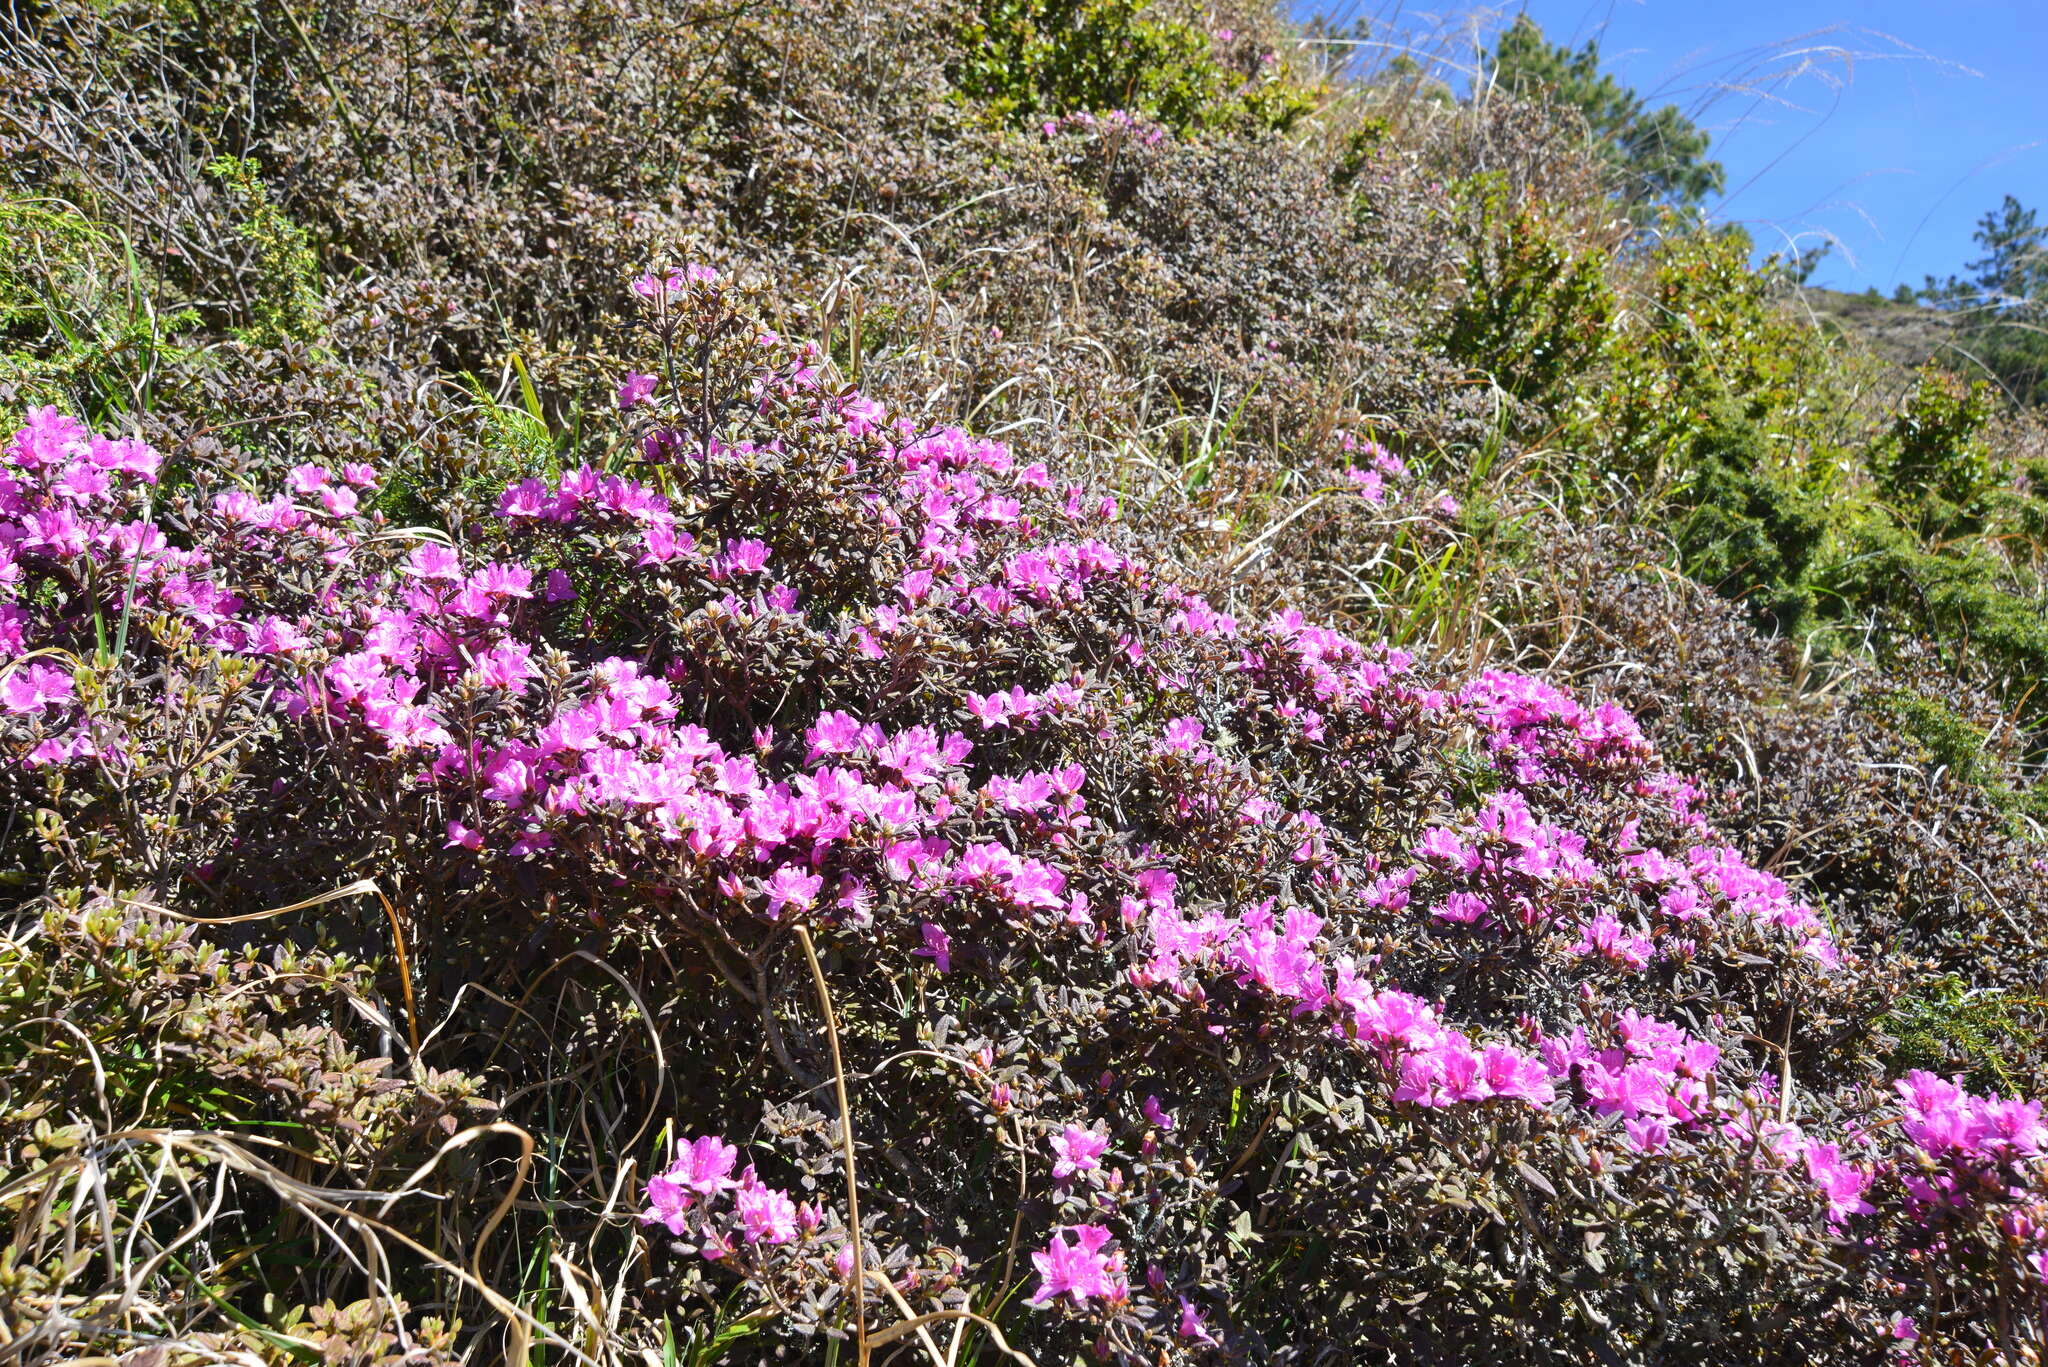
(1950, 740)
(1953, 594)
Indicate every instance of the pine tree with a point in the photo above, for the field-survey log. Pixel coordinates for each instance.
(2002, 304)
(2014, 267)
(1660, 154)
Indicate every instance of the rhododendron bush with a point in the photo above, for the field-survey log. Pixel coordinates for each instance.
(1196, 986)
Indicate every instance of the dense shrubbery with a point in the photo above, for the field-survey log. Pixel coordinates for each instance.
(502, 767)
(825, 674)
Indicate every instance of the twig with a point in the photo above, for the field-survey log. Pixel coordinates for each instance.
(860, 1327)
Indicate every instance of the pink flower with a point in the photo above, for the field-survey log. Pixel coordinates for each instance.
(1073, 1265)
(1444, 847)
(529, 498)
(49, 438)
(992, 710)
(1191, 1326)
(1605, 937)
(636, 389)
(1371, 484)
(741, 557)
(1465, 908)
(508, 664)
(667, 1203)
(35, 687)
(82, 484)
(790, 886)
(503, 581)
(1398, 1020)
(1842, 1183)
(1443, 1075)
(1077, 1151)
(938, 947)
(766, 1215)
(2014, 1125)
(433, 561)
(651, 285)
(1516, 1076)
(56, 532)
(306, 479)
(704, 1165)
(1647, 1134)
(834, 733)
(274, 636)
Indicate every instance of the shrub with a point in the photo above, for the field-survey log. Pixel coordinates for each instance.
(286, 301)
(1703, 342)
(1163, 917)
(1861, 787)
(1957, 595)
(145, 1065)
(1030, 60)
(1743, 532)
(1534, 314)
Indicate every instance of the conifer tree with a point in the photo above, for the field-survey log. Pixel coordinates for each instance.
(1660, 154)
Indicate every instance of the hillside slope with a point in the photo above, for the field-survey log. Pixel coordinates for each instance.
(1016, 680)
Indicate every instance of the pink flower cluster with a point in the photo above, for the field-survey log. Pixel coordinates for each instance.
(1432, 1064)
(1505, 870)
(1118, 120)
(1656, 1078)
(1973, 1152)
(1372, 466)
(688, 1198)
(872, 812)
(1437, 1065)
(79, 550)
(1545, 734)
(1074, 1265)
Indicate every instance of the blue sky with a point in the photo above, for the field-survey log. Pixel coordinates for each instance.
(1889, 125)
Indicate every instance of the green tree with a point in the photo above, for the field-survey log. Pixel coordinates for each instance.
(1660, 154)
(2014, 267)
(2002, 304)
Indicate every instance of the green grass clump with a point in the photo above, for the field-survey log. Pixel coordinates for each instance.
(82, 319)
